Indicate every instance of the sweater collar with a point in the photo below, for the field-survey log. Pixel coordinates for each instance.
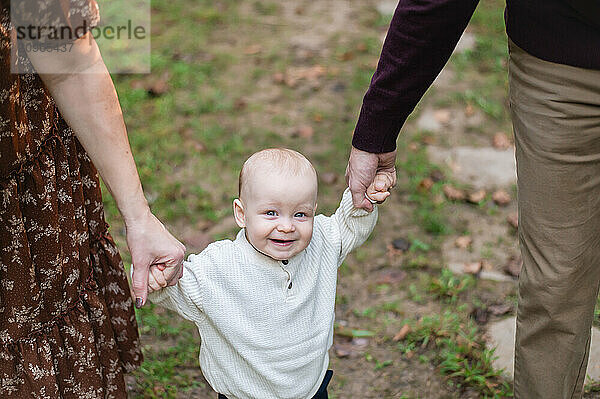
(255, 255)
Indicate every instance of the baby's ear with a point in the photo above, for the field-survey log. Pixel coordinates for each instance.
(238, 213)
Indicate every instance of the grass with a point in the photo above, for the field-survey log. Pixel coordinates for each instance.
(460, 352)
(190, 141)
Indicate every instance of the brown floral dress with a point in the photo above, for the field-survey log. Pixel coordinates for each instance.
(67, 326)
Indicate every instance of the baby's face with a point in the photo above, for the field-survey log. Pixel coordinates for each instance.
(279, 212)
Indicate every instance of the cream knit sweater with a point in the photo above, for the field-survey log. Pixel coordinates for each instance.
(266, 325)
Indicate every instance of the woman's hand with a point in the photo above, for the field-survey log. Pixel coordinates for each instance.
(150, 244)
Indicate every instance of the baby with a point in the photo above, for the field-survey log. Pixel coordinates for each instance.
(264, 303)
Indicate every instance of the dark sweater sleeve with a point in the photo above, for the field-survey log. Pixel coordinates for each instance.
(421, 38)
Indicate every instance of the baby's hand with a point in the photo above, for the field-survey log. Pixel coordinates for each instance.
(159, 277)
(378, 191)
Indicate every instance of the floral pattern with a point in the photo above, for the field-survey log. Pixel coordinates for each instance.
(67, 326)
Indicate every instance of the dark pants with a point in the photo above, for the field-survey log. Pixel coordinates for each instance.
(321, 393)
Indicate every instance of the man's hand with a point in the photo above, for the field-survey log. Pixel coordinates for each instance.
(361, 171)
(151, 244)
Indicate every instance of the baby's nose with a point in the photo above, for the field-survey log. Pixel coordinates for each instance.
(286, 226)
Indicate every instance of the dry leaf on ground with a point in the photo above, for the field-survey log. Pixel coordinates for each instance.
(304, 131)
(463, 242)
(472, 267)
(480, 315)
(514, 265)
(499, 310)
(477, 196)
(453, 194)
(400, 335)
(469, 110)
(253, 49)
(513, 220)
(437, 175)
(501, 141)
(501, 198)
(426, 184)
(329, 177)
(391, 277)
(442, 116)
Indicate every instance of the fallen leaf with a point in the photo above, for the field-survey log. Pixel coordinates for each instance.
(513, 220)
(453, 194)
(477, 196)
(463, 242)
(428, 140)
(329, 177)
(318, 118)
(343, 350)
(158, 87)
(393, 252)
(469, 110)
(442, 116)
(400, 335)
(346, 56)
(480, 315)
(293, 75)
(391, 277)
(501, 141)
(362, 47)
(486, 265)
(426, 184)
(401, 244)
(499, 310)
(513, 266)
(501, 198)
(305, 131)
(196, 145)
(239, 104)
(437, 175)
(137, 84)
(413, 147)
(472, 267)
(253, 49)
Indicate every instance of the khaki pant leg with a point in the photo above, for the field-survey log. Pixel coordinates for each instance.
(556, 117)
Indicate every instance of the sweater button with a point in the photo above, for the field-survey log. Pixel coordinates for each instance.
(285, 262)
(290, 286)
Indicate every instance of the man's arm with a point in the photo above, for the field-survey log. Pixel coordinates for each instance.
(421, 38)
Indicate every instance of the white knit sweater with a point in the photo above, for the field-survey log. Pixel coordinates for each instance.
(265, 325)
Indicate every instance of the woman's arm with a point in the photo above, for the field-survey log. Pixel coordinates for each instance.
(86, 97)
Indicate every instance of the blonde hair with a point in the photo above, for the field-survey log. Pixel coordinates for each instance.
(280, 159)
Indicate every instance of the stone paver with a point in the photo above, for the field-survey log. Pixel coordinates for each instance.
(484, 167)
(467, 42)
(502, 337)
(387, 7)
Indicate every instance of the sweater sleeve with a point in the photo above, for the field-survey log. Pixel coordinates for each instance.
(185, 297)
(353, 225)
(420, 39)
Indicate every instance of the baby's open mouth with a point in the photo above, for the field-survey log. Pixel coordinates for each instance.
(281, 242)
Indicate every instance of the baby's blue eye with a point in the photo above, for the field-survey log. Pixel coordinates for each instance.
(300, 214)
(270, 213)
